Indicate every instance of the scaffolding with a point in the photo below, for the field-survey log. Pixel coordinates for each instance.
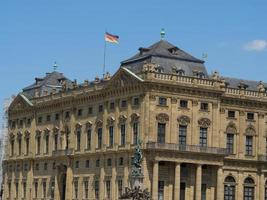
(4, 133)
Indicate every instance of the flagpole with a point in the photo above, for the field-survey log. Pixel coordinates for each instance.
(104, 64)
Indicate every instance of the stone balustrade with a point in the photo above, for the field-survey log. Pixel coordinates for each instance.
(186, 148)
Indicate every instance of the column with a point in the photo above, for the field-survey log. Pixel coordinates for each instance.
(262, 186)
(125, 173)
(69, 180)
(102, 181)
(198, 181)
(113, 179)
(219, 191)
(177, 178)
(155, 180)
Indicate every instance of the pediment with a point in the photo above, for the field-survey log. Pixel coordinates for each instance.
(122, 78)
(20, 103)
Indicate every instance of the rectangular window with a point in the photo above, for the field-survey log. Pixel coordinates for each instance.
(183, 103)
(90, 110)
(135, 132)
(67, 115)
(24, 190)
(38, 145)
(96, 189)
(80, 112)
(161, 132)
(12, 147)
(204, 106)
(112, 106)
(111, 136)
(87, 163)
(120, 187)
(203, 137)
(161, 190)
(19, 144)
(56, 116)
(55, 142)
(86, 189)
(44, 189)
(29, 121)
(36, 189)
(248, 193)
(75, 184)
(162, 101)
(78, 139)
(89, 137)
(230, 143)
(77, 164)
(249, 145)
(100, 108)
(40, 120)
(47, 144)
(182, 134)
(45, 166)
(27, 146)
(203, 192)
(123, 136)
(109, 162)
(17, 189)
(99, 138)
(48, 118)
(108, 189)
(123, 103)
(97, 163)
(231, 114)
(136, 101)
(250, 116)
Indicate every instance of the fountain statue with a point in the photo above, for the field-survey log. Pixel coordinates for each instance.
(137, 192)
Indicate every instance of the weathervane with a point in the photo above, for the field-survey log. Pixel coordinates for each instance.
(162, 33)
(55, 66)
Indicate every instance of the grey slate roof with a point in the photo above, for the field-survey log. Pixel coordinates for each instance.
(44, 86)
(167, 56)
(235, 82)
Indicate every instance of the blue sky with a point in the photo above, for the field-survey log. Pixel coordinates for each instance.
(34, 34)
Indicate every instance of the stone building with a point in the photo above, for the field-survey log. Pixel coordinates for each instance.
(203, 135)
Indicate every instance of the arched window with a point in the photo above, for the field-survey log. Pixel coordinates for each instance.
(249, 189)
(229, 188)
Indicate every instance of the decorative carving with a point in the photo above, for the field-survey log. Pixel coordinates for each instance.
(195, 102)
(231, 128)
(110, 120)
(204, 122)
(261, 115)
(215, 75)
(242, 113)
(55, 129)
(27, 134)
(149, 67)
(250, 130)
(152, 97)
(78, 125)
(162, 117)
(122, 119)
(99, 123)
(222, 110)
(261, 87)
(135, 117)
(88, 124)
(173, 100)
(183, 120)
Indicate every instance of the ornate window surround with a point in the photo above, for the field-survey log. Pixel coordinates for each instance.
(204, 122)
(183, 120)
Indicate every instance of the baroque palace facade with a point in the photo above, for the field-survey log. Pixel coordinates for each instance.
(203, 136)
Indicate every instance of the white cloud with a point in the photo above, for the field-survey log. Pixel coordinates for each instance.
(256, 45)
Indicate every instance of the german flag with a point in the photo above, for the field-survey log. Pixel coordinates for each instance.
(111, 38)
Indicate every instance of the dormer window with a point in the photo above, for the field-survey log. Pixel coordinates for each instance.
(180, 72)
(200, 75)
(159, 69)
